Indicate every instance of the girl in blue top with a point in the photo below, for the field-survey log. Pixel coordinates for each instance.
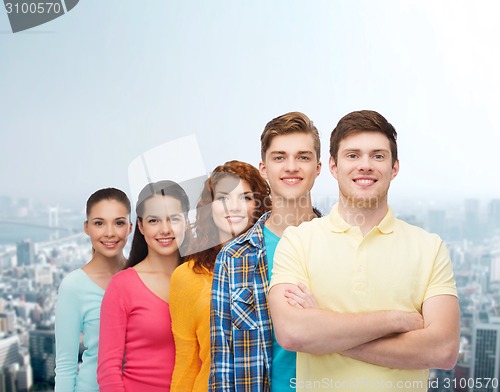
(80, 293)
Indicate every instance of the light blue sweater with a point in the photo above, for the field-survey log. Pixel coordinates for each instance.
(77, 311)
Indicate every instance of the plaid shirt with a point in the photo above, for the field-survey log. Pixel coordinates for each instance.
(240, 323)
(241, 337)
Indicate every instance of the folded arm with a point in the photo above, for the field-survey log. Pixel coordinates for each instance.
(318, 331)
(434, 346)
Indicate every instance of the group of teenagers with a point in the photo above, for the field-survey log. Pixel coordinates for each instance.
(262, 292)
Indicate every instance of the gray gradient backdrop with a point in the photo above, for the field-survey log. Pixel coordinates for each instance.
(83, 95)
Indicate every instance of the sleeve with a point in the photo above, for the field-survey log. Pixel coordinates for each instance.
(221, 339)
(67, 333)
(289, 260)
(183, 291)
(442, 281)
(114, 317)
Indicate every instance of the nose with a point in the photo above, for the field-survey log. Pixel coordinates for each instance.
(234, 204)
(291, 165)
(109, 231)
(365, 164)
(166, 227)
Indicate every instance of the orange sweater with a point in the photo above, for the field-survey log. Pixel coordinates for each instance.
(190, 313)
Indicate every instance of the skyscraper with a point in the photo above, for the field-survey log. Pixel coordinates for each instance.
(486, 360)
(494, 214)
(472, 229)
(43, 355)
(25, 253)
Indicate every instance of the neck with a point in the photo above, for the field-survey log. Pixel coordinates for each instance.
(289, 212)
(157, 263)
(110, 265)
(364, 214)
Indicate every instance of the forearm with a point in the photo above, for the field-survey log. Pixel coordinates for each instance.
(319, 332)
(112, 344)
(411, 350)
(434, 346)
(67, 335)
(187, 364)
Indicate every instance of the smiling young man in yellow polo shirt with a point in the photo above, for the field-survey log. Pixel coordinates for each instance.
(360, 262)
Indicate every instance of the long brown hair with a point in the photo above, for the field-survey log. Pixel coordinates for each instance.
(139, 249)
(205, 228)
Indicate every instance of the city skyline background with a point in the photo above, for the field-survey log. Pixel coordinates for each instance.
(84, 95)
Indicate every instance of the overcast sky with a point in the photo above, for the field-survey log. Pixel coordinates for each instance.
(83, 95)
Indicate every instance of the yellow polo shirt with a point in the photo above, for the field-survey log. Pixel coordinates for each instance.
(396, 266)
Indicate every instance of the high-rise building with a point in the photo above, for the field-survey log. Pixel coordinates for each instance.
(24, 378)
(25, 253)
(494, 214)
(486, 360)
(43, 355)
(7, 380)
(437, 222)
(7, 321)
(9, 351)
(472, 224)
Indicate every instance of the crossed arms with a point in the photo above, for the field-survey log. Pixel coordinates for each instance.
(395, 339)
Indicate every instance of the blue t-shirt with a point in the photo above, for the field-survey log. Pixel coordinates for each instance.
(284, 362)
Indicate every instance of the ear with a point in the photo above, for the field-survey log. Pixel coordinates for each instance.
(318, 168)
(395, 169)
(130, 228)
(333, 167)
(263, 169)
(139, 225)
(86, 227)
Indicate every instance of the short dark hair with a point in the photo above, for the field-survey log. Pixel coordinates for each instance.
(363, 121)
(293, 122)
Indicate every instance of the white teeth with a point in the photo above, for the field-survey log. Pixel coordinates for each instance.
(365, 182)
(165, 240)
(291, 181)
(234, 219)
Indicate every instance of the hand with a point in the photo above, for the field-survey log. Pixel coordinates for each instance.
(301, 297)
(408, 321)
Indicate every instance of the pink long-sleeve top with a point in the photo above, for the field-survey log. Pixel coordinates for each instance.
(136, 345)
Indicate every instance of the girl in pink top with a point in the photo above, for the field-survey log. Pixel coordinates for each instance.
(136, 345)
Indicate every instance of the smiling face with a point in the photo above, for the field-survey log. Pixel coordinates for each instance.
(108, 226)
(233, 207)
(364, 169)
(291, 166)
(163, 225)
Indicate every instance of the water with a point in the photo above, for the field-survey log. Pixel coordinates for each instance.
(11, 233)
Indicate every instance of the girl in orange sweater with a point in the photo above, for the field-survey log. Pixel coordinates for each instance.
(233, 198)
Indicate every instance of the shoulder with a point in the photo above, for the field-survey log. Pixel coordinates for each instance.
(185, 271)
(307, 228)
(123, 278)
(73, 281)
(247, 242)
(416, 233)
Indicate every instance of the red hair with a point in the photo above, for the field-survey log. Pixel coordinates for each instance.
(205, 228)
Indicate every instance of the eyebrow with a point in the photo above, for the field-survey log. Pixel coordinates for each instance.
(98, 218)
(285, 153)
(359, 150)
(227, 193)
